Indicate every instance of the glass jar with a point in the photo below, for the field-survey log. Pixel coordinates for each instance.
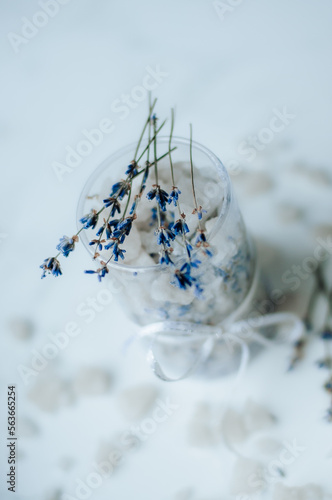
(143, 286)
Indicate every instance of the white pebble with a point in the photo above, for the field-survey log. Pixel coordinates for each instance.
(91, 381)
(233, 427)
(135, 402)
(318, 312)
(246, 477)
(257, 417)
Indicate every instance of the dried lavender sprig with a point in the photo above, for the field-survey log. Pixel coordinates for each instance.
(201, 241)
(182, 226)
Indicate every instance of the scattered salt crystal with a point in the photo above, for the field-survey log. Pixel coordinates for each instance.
(308, 492)
(253, 183)
(50, 393)
(246, 477)
(289, 213)
(200, 430)
(268, 446)
(257, 417)
(135, 402)
(27, 428)
(91, 381)
(21, 328)
(233, 427)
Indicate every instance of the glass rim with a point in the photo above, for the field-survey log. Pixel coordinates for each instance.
(220, 168)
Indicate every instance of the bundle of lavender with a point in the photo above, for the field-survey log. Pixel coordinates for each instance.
(118, 219)
(162, 213)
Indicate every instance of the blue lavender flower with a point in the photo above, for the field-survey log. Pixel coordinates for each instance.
(132, 169)
(164, 236)
(100, 230)
(90, 220)
(98, 243)
(325, 363)
(109, 225)
(101, 272)
(51, 266)
(326, 335)
(67, 245)
(180, 227)
(112, 202)
(183, 277)
(123, 227)
(120, 189)
(189, 249)
(165, 257)
(174, 196)
(118, 252)
(201, 242)
(160, 195)
(195, 263)
(162, 198)
(199, 211)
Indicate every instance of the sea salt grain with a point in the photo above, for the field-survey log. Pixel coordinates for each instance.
(245, 477)
(257, 417)
(135, 402)
(308, 492)
(91, 381)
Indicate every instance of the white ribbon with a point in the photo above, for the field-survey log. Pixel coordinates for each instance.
(230, 329)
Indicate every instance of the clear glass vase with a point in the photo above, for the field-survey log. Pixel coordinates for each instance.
(143, 286)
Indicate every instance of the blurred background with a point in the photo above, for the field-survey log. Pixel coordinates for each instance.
(254, 79)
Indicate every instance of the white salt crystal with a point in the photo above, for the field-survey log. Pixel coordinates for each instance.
(257, 417)
(246, 477)
(143, 260)
(200, 430)
(132, 245)
(27, 428)
(21, 328)
(268, 446)
(50, 393)
(308, 492)
(233, 427)
(289, 213)
(136, 401)
(91, 381)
